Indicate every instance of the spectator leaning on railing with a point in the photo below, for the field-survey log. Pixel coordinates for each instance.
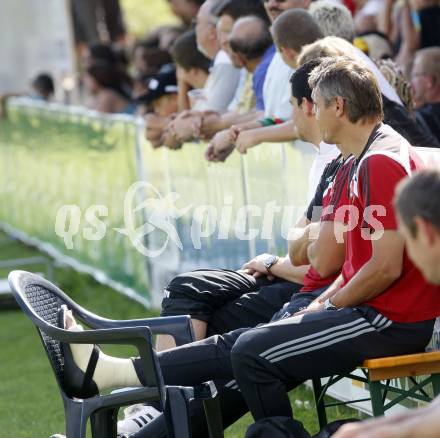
(261, 129)
(425, 88)
(192, 68)
(223, 76)
(243, 102)
(252, 44)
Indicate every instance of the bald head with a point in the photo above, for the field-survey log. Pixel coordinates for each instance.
(250, 37)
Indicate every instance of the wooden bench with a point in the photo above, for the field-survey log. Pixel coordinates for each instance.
(377, 374)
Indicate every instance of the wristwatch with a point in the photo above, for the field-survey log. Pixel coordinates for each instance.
(328, 305)
(269, 261)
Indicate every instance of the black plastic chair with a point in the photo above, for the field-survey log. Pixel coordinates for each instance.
(40, 300)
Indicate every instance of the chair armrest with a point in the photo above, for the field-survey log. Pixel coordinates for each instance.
(179, 327)
(125, 397)
(125, 335)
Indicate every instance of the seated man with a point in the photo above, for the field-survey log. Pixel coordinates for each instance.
(380, 305)
(418, 212)
(425, 89)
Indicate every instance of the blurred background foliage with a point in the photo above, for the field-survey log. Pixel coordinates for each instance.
(143, 16)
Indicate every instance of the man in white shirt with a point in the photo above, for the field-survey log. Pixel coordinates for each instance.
(224, 77)
(222, 82)
(277, 86)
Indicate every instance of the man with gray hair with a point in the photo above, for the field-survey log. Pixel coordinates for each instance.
(425, 88)
(223, 76)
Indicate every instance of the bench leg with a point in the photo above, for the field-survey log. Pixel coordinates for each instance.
(376, 399)
(319, 400)
(436, 384)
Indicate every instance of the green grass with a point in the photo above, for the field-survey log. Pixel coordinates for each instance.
(30, 404)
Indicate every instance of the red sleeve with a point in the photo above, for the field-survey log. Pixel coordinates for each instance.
(378, 178)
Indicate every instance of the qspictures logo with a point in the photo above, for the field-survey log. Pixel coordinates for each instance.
(147, 213)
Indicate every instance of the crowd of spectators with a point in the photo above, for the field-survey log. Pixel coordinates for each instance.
(222, 76)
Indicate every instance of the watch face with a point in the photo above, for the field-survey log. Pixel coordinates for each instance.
(270, 261)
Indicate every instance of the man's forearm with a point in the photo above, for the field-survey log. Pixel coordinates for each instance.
(331, 290)
(229, 119)
(276, 133)
(370, 281)
(285, 270)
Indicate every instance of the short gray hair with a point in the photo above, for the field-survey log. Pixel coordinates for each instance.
(353, 82)
(334, 19)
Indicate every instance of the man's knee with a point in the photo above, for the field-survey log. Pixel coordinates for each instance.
(182, 297)
(182, 280)
(244, 349)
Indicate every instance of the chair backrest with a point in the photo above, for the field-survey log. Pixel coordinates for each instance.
(46, 305)
(41, 301)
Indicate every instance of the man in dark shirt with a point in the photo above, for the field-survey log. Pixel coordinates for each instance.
(425, 84)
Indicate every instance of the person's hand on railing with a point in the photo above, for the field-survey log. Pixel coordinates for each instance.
(187, 126)
(170, 140)
(154, 129)
(220, 147)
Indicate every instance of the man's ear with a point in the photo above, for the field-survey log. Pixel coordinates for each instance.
(291, 54)
(213, 34)
(307, 107)
(426, 231)
(194, 71)
(339, 106)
